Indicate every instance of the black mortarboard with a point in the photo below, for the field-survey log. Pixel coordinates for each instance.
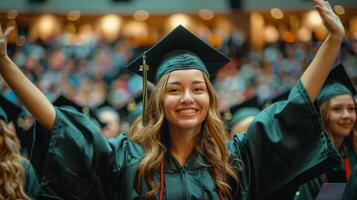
(249, 107)
(180, 49)
(127, 112)
(134, 109)
(337, 83)
(64, 102)
(280, 97)
(11, 110)
(192, 52)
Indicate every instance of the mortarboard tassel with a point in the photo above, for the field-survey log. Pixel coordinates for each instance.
(144, 68)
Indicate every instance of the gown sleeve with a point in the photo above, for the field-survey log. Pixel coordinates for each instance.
(32, 184)
(351, 187)
(285, 145)
(79, 162)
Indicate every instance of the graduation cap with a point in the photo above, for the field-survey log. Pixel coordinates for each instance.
(249, 107)
(281, 97)
(64, 102)
(337, 83)
(134, 109)
(10, 111)
(180, 49)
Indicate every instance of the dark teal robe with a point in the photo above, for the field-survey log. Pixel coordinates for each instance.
(32, 183)
(351, 187)
(285, 146)
(337, 174)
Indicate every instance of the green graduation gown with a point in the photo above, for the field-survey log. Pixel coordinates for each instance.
(337, 174)
(285, 146)
(351, 187)
(32, 184)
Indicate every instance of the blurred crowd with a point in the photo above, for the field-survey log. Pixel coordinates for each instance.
(91, 72)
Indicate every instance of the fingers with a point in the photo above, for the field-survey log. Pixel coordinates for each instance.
(318, 2)
(324, 8)
(8, 30)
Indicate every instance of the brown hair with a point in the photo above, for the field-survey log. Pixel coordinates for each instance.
(325, 109)
(210, 143)
(12, 173)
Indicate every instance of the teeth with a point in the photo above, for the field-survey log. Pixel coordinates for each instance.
(186, 111)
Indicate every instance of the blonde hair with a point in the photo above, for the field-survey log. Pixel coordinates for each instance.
(210, 143)
(12, 173)
(325, 109)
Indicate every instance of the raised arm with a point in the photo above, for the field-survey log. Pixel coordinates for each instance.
(318, 70)
(33, 99)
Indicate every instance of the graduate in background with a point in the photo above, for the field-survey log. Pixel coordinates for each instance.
(18, 180)
(180, 152)
(111, 118)
(338, 110)
(239, 117)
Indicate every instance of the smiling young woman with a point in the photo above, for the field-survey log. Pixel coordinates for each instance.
(338, 110)
(179, 150)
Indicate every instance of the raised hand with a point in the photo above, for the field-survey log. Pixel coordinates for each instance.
(331, 21)
(3, 40)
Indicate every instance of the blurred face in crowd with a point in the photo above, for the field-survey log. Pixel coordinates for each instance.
(341, 115)
(186, 99)
(112, 123)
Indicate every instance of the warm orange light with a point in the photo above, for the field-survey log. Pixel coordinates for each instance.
(340, 10)
(46, 26)
(312, 19)
(141, 15)
(271, 34)
(178, 19)
(206, 14)
(12, 14)
(135, 29)
(109, 26)
(257, 26)
(304, 34)
(74, 15)
(289, 36)
(277, 13)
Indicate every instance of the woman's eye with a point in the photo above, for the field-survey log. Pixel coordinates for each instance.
(352, 109)
(336, 109)
(199, 89)
(171, 90)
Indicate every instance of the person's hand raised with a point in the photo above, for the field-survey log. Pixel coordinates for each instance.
(3, 40)
(330, 20)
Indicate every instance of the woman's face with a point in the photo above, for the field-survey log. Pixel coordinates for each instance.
(186, 99)
(341, 116)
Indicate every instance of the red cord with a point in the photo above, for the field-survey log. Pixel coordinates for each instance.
(347, 168)
(220, 194)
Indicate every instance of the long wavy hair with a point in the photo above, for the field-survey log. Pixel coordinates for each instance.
(12, 173)
(209, 143)
(325, 109)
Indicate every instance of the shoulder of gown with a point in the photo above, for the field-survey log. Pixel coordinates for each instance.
(285, 145)
(80, 161)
